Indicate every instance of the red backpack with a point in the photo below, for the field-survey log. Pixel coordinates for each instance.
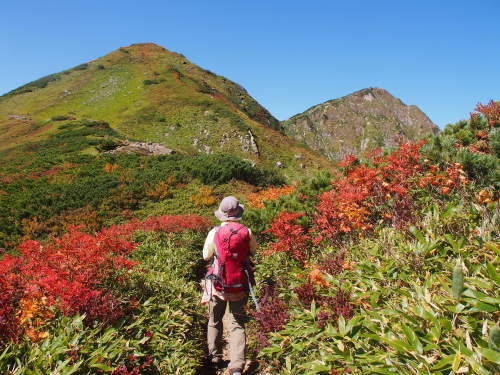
(230, 271)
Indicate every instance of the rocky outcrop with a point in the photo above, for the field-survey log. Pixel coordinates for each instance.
(141, 148)
(358, 122)
(248, 143)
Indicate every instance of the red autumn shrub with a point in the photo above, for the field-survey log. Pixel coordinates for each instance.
(332, 264)
(491, 111)
(272, 316)
(75, 271)
(9, 298)
(380, 189)
(291, 237)
(334, 307)
(306, 294)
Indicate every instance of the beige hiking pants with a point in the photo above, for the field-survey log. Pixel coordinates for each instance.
(237, 338)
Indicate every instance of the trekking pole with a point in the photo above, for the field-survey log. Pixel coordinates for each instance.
(252, 293)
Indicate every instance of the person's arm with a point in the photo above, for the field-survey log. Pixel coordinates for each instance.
(209, 246)
(253, 242)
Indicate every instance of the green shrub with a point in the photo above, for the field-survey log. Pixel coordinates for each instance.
(107, 145)
(454, 145)
(60, 118)
(81, 67)
(45, 190)
(153, 81)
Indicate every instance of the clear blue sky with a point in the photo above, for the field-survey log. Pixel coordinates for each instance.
(443, 56)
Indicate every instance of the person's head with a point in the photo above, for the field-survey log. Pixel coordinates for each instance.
(230, 209)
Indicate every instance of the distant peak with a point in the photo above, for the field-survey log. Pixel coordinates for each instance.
(376, 91)
(147, 45)
(141, 47)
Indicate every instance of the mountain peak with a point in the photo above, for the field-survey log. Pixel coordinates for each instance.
(149, 94)
(358, 122)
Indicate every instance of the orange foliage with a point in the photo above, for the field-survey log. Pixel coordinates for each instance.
(491, 111)
(85, 216)
(160, 191)
(485, 197)
(110, 168)
(316, 278)
(480, 147)
(204, 198)
(32, 227)
(482, 134)
(382, 190)
(32, 315)
(257, 199)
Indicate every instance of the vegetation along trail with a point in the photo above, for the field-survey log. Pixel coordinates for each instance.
(386, 264)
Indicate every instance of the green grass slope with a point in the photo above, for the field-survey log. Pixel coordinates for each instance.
(148, 93)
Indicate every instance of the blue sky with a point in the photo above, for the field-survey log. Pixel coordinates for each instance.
(443, 56)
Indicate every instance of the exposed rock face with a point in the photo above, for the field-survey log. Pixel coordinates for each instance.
(248, 143)
(358, 122)
(142, 148)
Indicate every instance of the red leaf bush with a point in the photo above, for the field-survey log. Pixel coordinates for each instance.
(491, 111)
(291, 237)
(73, 272)
(272, 317)
(382, 188)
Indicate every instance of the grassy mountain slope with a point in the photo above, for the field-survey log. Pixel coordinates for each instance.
(358, 122)
(150, 94)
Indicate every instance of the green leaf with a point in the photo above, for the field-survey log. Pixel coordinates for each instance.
(418, 234)
(456, 362)
(313, 308)
(481, 296)
(458, 281)
(342, 327)
(491, 355)
(102, 367)
(492, 272)
(481, 306)
(494, 338)
(444, 362)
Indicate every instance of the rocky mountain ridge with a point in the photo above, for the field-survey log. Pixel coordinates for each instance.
(358, 122)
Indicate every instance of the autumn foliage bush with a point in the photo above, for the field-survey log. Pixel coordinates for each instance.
(257, 200)
(382, 189)
(272, 315)
(75, 273)
(291, 237)
(491, 111)
(204, 197)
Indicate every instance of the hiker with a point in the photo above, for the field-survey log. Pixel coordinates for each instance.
(227, 282)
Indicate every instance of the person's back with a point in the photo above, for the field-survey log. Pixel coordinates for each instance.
(230, 245)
